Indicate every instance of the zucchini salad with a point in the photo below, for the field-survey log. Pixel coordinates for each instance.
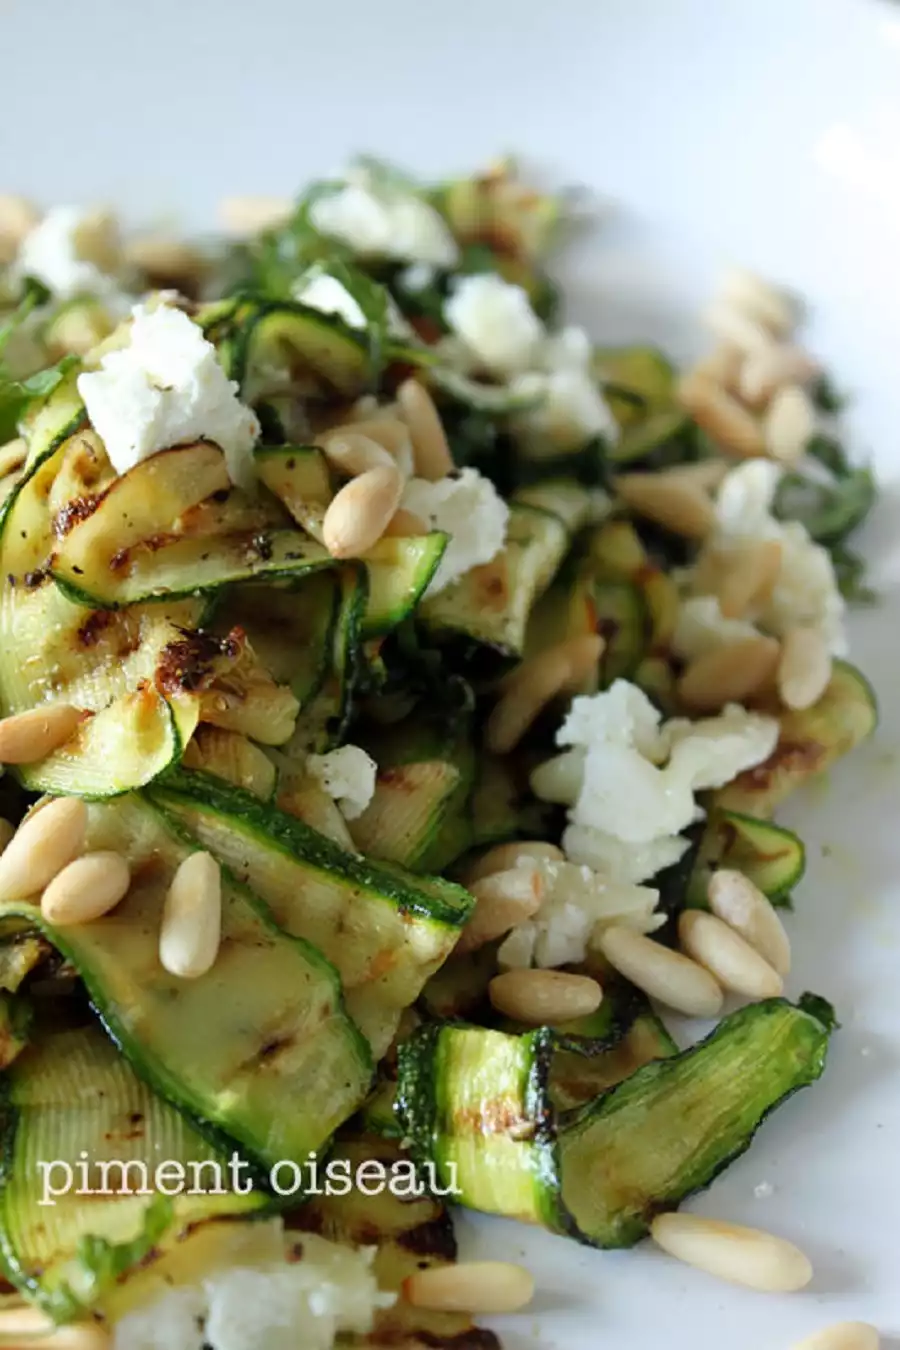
(396, 693)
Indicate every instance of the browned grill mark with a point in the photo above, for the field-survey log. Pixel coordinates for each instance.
(434, 1237)
(74, 512)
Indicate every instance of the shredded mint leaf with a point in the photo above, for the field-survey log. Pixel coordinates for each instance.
(374, 301)
(16, 395)
(830, 511)
(829, 451)
(103, 1262)
(826, 397)
(850, 570)
(34, 295)
(386, 176)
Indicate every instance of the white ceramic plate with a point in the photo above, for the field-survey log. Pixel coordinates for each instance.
(766, 131)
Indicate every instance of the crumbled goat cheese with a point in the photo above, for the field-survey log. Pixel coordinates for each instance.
(495, 320)
(166, 388)
(295, 1305)
(385, 222)
(348, 775)
(418, 277)
(58, 253)
(701, 627)
(577, 903)
(570, 410)
(806, 590)
(629, 780)
(468, 508)
(317, 289)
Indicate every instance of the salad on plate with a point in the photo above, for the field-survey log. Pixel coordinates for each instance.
(397, 691)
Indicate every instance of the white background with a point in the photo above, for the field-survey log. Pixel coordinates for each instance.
(761, 130)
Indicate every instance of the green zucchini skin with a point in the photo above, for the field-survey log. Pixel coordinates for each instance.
(271, 1001)
(385, 930)
(484, 1101)
(773, 857)
(476, 1104)
(71, 1095)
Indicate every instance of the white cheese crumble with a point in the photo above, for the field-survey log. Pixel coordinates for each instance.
(385, 221)
(346, 774)
(58, 253)
(299, 1304)
(806, 590)
(631, 782)
(577, 903)
(319, 290)
(701, 627)
(495, 321)
(166, 388)
(467, 507)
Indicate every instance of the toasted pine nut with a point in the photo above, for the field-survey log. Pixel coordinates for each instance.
(29, 736)
(18, 217)
(86, 889)
(729, 959)
(504, 856)
(534, 683)
(390, 433)
(352, 452)
(470, 1286)
(192, 917)
(503, 900)
(734, 326)
(804, 669)
(735, 900)
(360, 513)
(842, 1336)
(7, 830)
(559, 779)
(663, 974)
(722, 417)
(747, 577)
(729, 674)
(675, 503)
(405, 524)
(789, 424)
(758, 298)
(723, 365)
(42, 846)
(251, 215)
(540, 997)
(166, 260)
(766, 371)
(740, 1255)
(39, 1332)
(706, 474)
(431, 450)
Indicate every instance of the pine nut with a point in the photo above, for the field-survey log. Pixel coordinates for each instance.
(502, 857)
(352, 452)
(39, 1332)
(18, 217)
(842, 1336)
(391, 434)
(42, 846)
(731, 1252)
(7, 830)
(759, 299)
(665, 975)
(722, 366)
(673, 502)
(431, 449)
(192, 918)
(804, 670)
(503, 901)
(167, 260)
(733, 963)
(251, 215)
(405, 524)
(722, 417)
(748, 577)
(729, 674)
(542, 997)
(764, 372)
(706, 474)
(29, 736)
(789, 424)
(359, 514)
(734, 326)
(470, 1286)
(735, 900)
(533, 684)
(559, 779)
(86, 889)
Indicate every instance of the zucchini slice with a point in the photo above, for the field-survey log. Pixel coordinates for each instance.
(640, 390)
(772, 857)
(260, 1049)
(577, 1077)
(809, 743)
(274, 345)
(229, 755)
(385, 930)
(73, 1098)
(299, 477)
(481, 1100)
